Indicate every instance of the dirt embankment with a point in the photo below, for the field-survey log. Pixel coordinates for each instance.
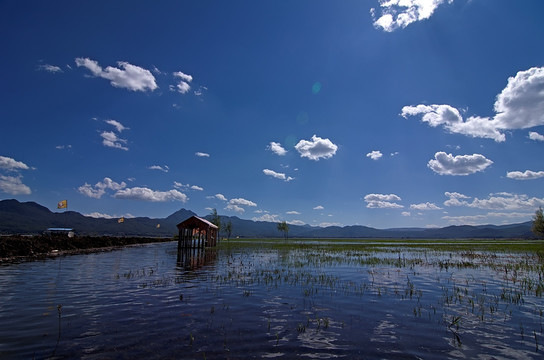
(29, 247)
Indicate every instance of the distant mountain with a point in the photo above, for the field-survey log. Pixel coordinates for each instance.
(33, 218)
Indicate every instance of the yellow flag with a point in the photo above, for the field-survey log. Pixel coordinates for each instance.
(158, 226)
(62, 204)
(121, 219)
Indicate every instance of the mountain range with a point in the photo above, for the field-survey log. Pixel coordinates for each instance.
(32, 218)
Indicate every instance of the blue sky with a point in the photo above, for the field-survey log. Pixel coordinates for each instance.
(387, 114)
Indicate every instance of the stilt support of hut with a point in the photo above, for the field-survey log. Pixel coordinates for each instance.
(196, 233)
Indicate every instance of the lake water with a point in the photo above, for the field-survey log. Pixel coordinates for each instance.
(271, 302)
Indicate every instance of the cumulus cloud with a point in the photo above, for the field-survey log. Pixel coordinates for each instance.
(319, 207)
(277, 175)
(526, 175)
(10, 164)
(496, 201)
(13, 185)
(425, 206)
(220, 197)
(316, 149)
(100, 188)
(276, 148)
(110, 139)
(292, 213)
(536, 136)
(242, 202)
(382, 201)
(234, 207)
(455, 199)
(126, 75)
(201, 154)
(50, 68)
(395, 14)
(520, 105)
(485, 218)
(447, 164)
(183, 86)
(146, 194)
(197, 188)
(120, 127)
(160, 168)
(267, 218)
(374, 155)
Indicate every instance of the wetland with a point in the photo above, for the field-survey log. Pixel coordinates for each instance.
(270, 298)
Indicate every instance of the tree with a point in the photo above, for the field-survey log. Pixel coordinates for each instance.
(284, 228)
(228, 229)
(538, 223)
(215, 219)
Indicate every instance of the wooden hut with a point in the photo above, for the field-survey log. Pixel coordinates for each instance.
(196, 232)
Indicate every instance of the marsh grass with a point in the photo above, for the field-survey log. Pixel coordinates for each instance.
(432, 281)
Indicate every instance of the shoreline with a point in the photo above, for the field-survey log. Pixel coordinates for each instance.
(17, 248)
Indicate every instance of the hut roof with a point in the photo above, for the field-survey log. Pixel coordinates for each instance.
(195, 222)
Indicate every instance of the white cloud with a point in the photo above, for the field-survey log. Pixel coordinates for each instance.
(397, 14)
(498, 201)
(454, 199)
(382, 201)
(179, 185)
(316, 149)
(425, 206)
(374, 155)
(62, 147)
(520, 105)
(126, 76)
(234, 207)
(405, 213)
(277, 175)
(184, 77)
(183, 86)
(100, 188)
(327, 224)
(198, 188)
(526, 175)
(120, 127)
(220, 197)
(292, 213)
(452, 120)
(447, 164)
(319, 207)
(146, 194)
(13, 185)
(110, 139)
(242, 202)
(296, 222)
(267, 218)
(10, 164)
(536, 136)
(483, 219)
(50, 68)
(100, 215)
(276, 148)
(201, 154)
(160, 168)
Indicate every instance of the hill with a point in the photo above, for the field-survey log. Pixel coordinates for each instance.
(32, 218)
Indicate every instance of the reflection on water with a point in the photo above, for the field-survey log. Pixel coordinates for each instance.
(260, 302)
(194, 258)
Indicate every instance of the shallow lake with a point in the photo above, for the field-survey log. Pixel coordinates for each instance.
(260, 300)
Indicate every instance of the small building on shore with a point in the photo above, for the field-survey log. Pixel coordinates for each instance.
(67, 232)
